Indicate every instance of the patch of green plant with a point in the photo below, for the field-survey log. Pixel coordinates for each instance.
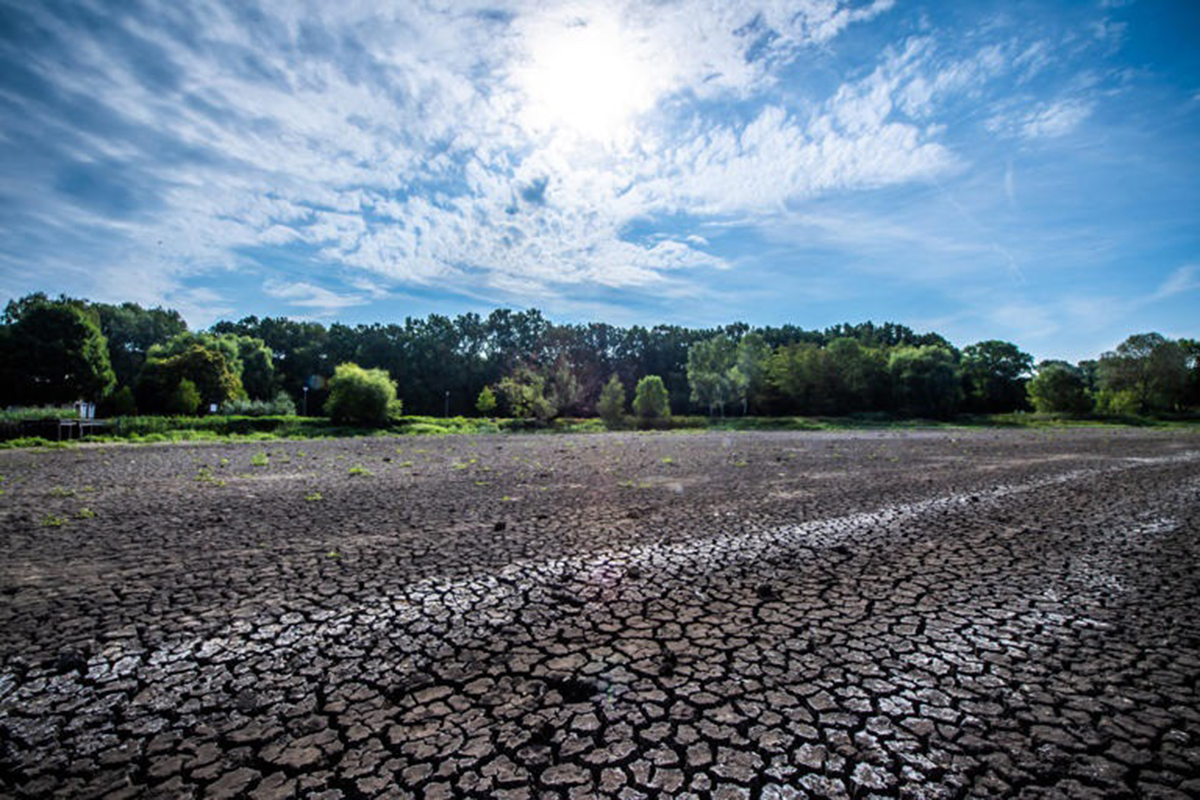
(53, 521)
(359, 469)
(34, 441)
(313, 497)
(59, 491)
(333, 554)
(85, 513)
(259, 460)
(668, 460)
(204, 475)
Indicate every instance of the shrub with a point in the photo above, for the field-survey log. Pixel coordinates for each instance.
(651, 401)
(281, 406)
(360, 396)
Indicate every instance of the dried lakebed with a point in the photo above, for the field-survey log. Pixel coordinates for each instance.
(748, 615)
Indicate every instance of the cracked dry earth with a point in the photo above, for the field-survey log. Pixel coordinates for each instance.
(921, 614)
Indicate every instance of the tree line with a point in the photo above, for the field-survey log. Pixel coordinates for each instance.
(132, 359)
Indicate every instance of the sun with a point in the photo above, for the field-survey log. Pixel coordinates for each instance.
(589, 78)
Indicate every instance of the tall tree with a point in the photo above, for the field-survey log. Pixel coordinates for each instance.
(1151, 369)
(131, 331)
(994, 376)
(1059, 387)
(54, 352)
(925, 381)
(709, 363)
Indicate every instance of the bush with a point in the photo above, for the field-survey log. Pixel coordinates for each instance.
(651, 401)
(281, 406)
(360, 396)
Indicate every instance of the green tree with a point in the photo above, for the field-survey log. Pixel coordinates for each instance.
(131, 331)
(994, 376)
(709, 362)
(612, 402)
(800, 374)
(486, 403)
(195, 358)
(1148, 366)
(360, 396)
(925, 381)
(1191, 392)
(185, 399)
(566, 392)
(1059, 387)
(258, 368)
(118, 404)
(526, 395)
(650, 399)
(854, 376)
(750, 383)
(55, 353)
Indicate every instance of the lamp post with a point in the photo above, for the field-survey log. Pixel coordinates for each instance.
(305, 412)
(446, 413)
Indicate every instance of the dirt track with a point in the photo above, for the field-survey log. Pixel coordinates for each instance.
(776, 615)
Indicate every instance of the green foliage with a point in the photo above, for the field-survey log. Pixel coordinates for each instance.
(185, 399)
(1151, 368)
(994, 377)
(1118, 402)
(650, 400)
(486, 402)
(611, 406)
(120, 403)
(53, 353)
(131, 331)
(359, 396)
(281, 405)
(565, 391)
(260, 460)
(526, 395)
(1059, 387)
(203, 360)
(925, 381)
(750, 378)
(710, 366)
(257, 370)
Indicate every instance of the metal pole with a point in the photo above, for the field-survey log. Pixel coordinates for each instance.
(447, 411)
(305, 412)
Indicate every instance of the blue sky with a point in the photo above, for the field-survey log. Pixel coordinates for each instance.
(1027, 171)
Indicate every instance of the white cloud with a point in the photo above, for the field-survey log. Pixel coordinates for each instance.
(1045, 121)
(401, 140)
(302, 294)
(1185, 279)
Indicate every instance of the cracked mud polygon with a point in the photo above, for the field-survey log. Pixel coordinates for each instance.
(925, 614)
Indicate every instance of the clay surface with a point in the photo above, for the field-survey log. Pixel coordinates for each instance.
(924, 614)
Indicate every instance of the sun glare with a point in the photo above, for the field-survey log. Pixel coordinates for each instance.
(585, 79)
